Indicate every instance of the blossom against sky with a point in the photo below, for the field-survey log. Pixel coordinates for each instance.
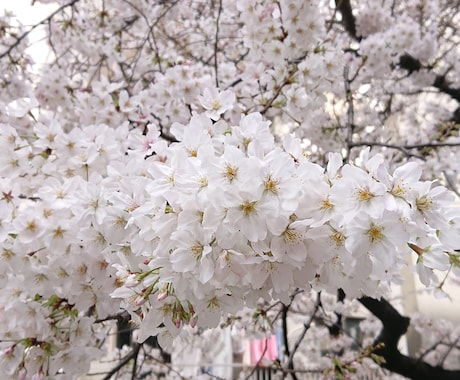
(30, 15)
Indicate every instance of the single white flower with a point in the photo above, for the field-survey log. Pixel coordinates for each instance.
(216, 103)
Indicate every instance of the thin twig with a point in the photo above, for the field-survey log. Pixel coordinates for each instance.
(430, 349)
(449, 350)
(216, 43)
(162, 363)
(44, 21)
(273, 98)
(121, 316)
(257, 365)
(405, 148)
(451, 183)
(350, 112)
(306, 327)
(431, 145)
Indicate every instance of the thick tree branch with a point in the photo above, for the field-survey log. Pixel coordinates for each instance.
(348, 20)
(441, 84)
(411, 64)
(406, 61)
(131, 355)
(394, 326)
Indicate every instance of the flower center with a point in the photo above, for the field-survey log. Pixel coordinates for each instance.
(326, 205)
(248, 208)
(364, 194)
(215, 104)
(424, 203)
(375, 233)
(197, 251)
(230, 172)
(292, 236)
(271, 184)
(399, 190)
(338, 238)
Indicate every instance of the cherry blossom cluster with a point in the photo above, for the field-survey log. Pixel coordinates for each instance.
(282, 64)
(174, 161)
(55, 281)
(226, 217)
(190, 233)
(286, 61)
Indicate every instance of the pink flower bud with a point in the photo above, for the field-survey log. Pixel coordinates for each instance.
(38, 376)
(162, 296)
(22, 375)
(193, 320)
(9, 351)
(140, 300)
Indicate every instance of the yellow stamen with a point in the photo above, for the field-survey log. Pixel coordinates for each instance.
(364, 194)
(375, 233)
(338, 238)
(247, 207)
(271, 184)
(230, 172)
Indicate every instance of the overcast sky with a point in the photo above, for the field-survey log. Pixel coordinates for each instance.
(30, 15)
(27, 13)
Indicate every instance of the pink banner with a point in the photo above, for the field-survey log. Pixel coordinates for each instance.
(263, 350)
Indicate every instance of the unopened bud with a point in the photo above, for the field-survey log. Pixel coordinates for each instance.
(162, 296)
(140, 300)
(22, 375)
(416, 248)
(193, 320)
(38, 376)
(131, 281)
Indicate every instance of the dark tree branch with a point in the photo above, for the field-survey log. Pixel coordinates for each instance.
(406, 61)
(122, 316)
(348, 20)
(306, 327)
(411, 146)
(284, 317)
(456, 116)
(394, 326)
(336, 328)
(132, 355)
(441, 84)
(276, 94)
(411, 64)
(287, 351)
(350, 112)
